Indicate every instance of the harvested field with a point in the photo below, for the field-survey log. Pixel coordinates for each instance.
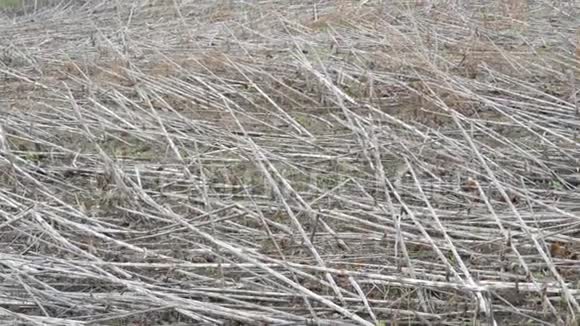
(221, 162)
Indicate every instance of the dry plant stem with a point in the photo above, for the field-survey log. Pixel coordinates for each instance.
(363, 298)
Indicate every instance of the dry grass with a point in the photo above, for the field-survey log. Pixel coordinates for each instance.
(326, 162)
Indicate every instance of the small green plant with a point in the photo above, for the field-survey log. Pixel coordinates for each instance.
(556, 185)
